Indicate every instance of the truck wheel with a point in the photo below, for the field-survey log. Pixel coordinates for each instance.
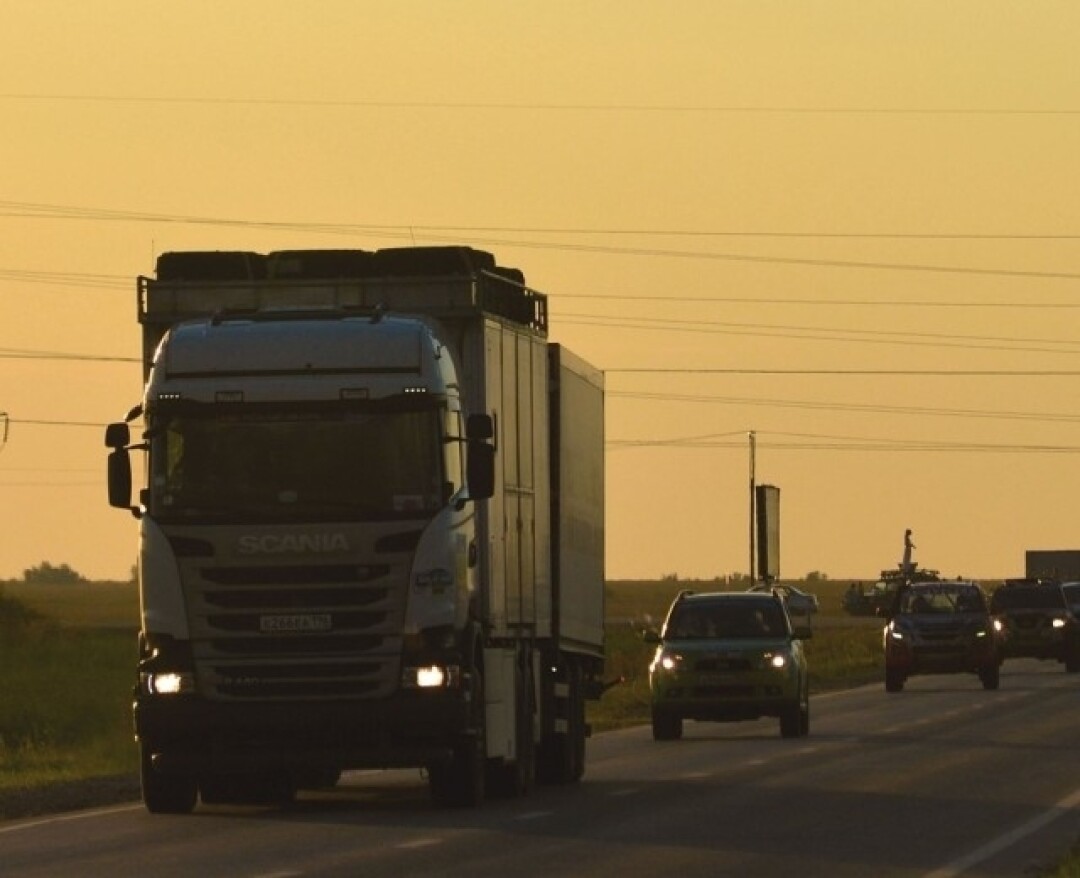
(894, 681)
(666, 726)
(461, 782)
(991, 677)
(165, 793)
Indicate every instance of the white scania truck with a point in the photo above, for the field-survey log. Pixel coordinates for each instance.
(372, 527)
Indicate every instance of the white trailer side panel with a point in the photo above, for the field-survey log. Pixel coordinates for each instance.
(517, 573)
(578, 525)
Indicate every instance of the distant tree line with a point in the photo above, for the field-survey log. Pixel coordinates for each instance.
(47, 574)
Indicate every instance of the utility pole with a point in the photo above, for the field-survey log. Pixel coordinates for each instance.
(753, 510)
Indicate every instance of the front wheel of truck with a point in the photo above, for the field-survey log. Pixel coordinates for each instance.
(165, 793)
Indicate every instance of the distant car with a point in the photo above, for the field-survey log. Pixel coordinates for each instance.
(1033, 619)
(940, 628)
(728, 656)
(1072, 597)
(799, 603)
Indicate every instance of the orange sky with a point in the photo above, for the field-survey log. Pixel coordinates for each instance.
(777, 212)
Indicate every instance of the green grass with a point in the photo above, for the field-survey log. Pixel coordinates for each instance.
(66, 696)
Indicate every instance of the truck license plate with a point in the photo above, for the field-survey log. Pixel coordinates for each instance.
(298, 622)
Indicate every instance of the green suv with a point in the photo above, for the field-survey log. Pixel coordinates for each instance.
(727, 656)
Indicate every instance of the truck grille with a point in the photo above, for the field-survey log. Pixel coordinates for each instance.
(297, 632)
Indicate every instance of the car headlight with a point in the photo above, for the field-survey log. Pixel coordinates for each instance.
(1058, 622)
(776, 660)
(666, 660)
(999, 626)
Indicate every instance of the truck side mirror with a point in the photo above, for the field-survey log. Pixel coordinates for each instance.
(117, 435)
(119, 474)
(479, 428)
(480, 470)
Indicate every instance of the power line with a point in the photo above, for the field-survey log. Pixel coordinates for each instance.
(15, 354)
(824, 333)
(772, 300)
(820, 442)
(734, 109)
(903, 411)
(409, 232)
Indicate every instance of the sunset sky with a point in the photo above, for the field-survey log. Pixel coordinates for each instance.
(852, 228)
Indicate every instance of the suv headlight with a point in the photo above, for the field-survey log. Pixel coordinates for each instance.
(666, 660)
(776, 660)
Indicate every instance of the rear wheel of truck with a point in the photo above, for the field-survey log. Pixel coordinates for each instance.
(666, 726)
(165, 793)
(461, 782)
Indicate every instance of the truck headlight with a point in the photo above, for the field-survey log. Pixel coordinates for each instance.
(1058, 622)
(776, 660)
(168, 682)
(431, 677)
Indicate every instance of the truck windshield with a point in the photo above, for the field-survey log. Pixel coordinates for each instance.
(337, 464)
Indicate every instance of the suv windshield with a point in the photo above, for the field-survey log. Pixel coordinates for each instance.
(942, 599)
(341, 463)
(1012, 597)
(726, 619)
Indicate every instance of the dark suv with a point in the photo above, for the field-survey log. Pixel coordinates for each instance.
(724, 656)
(940, 628)
(1033, 620)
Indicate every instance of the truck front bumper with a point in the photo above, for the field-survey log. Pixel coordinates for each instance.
(188, 733)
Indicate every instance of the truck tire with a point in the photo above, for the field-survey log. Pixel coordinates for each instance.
(462, 781)
(666, 726)
(165, 793)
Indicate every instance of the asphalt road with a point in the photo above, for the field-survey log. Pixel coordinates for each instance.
(942, 779)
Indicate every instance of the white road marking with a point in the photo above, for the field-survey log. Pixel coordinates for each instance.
(962, 864)
(67, 818)
(419, 843)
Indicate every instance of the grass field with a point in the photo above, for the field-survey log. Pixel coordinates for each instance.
(67, 656)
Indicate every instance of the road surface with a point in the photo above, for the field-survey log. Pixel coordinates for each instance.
(943, 779)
